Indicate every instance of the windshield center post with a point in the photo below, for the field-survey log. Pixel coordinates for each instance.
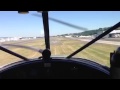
(46, 28)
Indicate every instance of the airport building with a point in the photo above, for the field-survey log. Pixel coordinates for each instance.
(115, 34)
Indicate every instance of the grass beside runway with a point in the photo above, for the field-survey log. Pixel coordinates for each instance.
(62, 46)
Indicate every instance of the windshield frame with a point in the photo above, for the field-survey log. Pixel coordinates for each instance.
(13, 53)
(47, 37)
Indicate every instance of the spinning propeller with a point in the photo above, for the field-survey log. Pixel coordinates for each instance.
(56, 20)
(64, 23)
(21, 46)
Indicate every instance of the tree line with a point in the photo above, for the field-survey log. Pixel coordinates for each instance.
(90, 32)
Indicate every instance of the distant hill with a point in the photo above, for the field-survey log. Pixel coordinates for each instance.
(118, 28)
(90, 32)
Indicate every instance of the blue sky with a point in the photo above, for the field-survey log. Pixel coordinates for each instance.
(13, 24)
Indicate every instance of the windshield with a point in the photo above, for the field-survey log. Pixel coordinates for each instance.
(69, 30)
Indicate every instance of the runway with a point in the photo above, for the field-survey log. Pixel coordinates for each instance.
(63, 46)
(103, 41)
(54, 41)
(111, 41)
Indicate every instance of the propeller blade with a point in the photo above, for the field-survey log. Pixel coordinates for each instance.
(26, 47)
(64, 23)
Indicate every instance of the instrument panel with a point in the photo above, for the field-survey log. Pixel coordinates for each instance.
(55, 69)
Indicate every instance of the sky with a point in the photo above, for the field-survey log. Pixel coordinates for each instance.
(13, 24)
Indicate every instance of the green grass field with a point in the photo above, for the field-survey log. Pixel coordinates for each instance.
(62, 46)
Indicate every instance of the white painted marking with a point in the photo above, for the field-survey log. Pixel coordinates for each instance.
(103, 41)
